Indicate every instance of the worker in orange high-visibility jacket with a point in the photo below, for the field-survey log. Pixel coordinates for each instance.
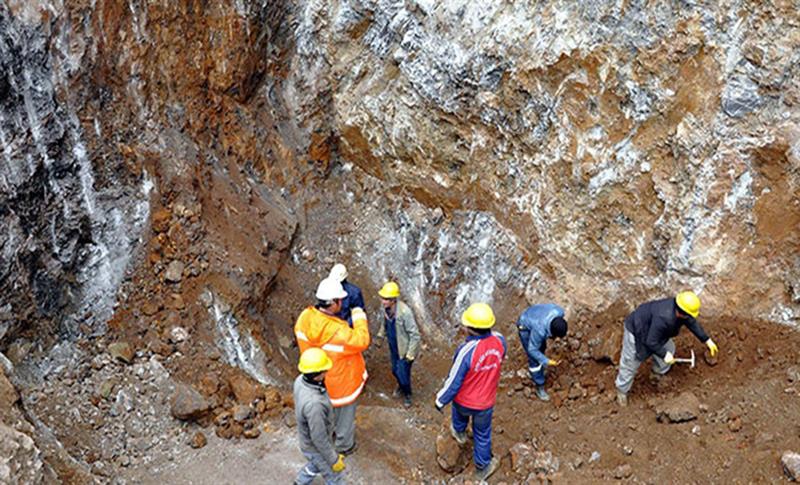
(318, 326)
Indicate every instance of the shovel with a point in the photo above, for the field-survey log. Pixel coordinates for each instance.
(690, 360)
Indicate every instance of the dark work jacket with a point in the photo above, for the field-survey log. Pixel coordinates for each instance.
(654, 323)
(354, 299)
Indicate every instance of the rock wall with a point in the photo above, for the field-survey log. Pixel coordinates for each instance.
(633, 149)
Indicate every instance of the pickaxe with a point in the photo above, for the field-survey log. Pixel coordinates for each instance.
(690, 360)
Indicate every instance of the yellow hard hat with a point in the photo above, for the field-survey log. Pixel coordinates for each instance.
(688, 302)
(478, 315)
(389, 290)
(314, 360)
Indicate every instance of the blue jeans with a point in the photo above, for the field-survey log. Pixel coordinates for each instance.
(317, 466)
(538, 376)
(481, 431)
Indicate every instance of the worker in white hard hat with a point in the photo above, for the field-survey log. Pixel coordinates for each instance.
(354, 297)
(318, 326)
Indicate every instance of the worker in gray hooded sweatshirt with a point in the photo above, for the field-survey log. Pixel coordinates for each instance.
(315, 420)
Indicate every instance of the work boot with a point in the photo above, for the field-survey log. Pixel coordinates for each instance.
(622, 399)
(542, 394)
(407, 401)
(350, 450)
(483, 474)
(461, 438)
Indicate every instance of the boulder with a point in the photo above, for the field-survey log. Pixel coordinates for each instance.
(450, 456)
(242, 412)
(20, 459)
(525, 459)
(607, 345)
(178, 335)
(623, 471)
(245, 389)
(685, 407)
(121, 351)
(791, 465)
(199, 440)
(174, 271)
(521, 456)
(188, 404)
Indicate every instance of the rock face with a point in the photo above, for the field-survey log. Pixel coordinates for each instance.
(624, 150)
(20, 461)
(685, 407)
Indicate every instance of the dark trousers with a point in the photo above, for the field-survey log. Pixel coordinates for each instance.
(481, 431)
(401, 368)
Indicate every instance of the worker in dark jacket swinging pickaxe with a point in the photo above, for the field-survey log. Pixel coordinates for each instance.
(649, 331)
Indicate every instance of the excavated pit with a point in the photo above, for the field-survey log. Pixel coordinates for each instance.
(177, 177)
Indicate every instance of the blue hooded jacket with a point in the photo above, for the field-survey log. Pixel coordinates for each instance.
(536, 320)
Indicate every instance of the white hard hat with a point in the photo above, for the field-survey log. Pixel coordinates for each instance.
(338, 272)
(330, 289)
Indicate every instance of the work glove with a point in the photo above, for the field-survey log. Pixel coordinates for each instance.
(669, 358)
(712, 347)
(553, 363)
(339, 465)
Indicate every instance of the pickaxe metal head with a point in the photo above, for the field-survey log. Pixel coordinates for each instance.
(691, 361)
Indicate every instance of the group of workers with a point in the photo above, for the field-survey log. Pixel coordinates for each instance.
(334, 332)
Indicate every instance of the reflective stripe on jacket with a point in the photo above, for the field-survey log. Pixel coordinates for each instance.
(536, 320)
(475, 373)
(343, 344)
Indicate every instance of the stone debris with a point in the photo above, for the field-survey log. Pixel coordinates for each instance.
(791, 465)
(121, 351)
(685, 407)
(242, 412)
(623, 471)
(525, 459)
(245, 389)
(178, 335)
(451, 457)
(20, 459)
(199, 440)
(174, 271)
(188, 404)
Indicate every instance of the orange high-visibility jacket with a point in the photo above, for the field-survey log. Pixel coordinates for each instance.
(343, 344)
